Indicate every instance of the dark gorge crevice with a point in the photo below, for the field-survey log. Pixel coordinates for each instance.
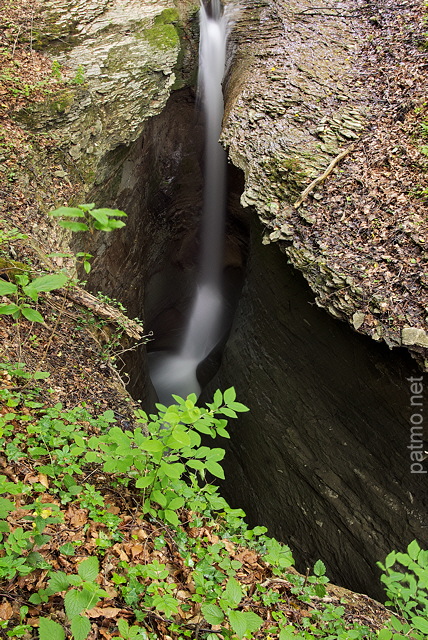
(152, 266)
(322, 457)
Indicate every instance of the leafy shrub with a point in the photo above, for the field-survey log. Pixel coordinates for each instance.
(406, 583)
(89, 218)
(28, 289)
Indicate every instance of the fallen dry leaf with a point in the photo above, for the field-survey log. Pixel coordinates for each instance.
(104, 612)
(6, 611)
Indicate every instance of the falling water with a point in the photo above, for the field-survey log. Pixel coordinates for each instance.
(177, 373)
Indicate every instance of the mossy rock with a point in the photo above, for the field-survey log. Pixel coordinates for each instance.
(36, 115)
(12, 268)
(286, 174)
(162, 36)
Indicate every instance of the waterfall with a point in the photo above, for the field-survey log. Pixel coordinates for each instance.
(177, 373)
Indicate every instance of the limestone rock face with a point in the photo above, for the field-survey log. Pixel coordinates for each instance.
(120, 57)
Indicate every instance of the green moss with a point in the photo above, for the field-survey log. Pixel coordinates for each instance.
(62, 103)
(286, 174)
(162, 36)
(12, 268)
(167, 16)
(34, 114)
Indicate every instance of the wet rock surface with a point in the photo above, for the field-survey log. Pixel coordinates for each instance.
(322, 458)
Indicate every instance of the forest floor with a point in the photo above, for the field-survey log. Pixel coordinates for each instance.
(370, 221)
(70, 346)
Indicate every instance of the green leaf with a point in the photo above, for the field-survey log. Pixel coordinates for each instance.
(80, 627)
(212, 613)
(4, 526)
(7, 288)
(233, 591)
(76, 601)
(8, 309)
(100, 216)
(228, 412)
(112, 212)
(152, 446)
(218, 398)
(172, 470)
(215, 469)
(176, 503)
(5, 507)
(287, 633)
(144, 481)
(91, 456)
(196, 464)
(35, 599)
(59, 582)
(172, 517)
(49, 283)
(244, 622)
(229, 395)
(50, 630)
(237, 406)
(74, 226)
(67, 549)
(390, 559)
(413, 549)
(67, 212)
(319, 568)
(384, 634)
(159, 497)
(89, 569)
(41, 375)
(31, 314)
(420, 623)
(123, 627)
(180, 437)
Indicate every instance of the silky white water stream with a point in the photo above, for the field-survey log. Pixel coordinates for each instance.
(176, 373)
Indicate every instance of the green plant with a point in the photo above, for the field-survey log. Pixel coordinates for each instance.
(163, 458)
(165, 469)
(56, 70)
(407, 589)
(26, 288)
(10, 235)
(85, 259)
(79, 76)
(18, 545)
(83, 595)
(89, 218)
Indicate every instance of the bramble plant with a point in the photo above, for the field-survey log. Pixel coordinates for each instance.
(85, 217)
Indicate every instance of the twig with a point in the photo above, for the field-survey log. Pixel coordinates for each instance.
(306, 577)
(323, 176)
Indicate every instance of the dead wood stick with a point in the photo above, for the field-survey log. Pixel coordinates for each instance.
(105, 311)
(323, 176)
